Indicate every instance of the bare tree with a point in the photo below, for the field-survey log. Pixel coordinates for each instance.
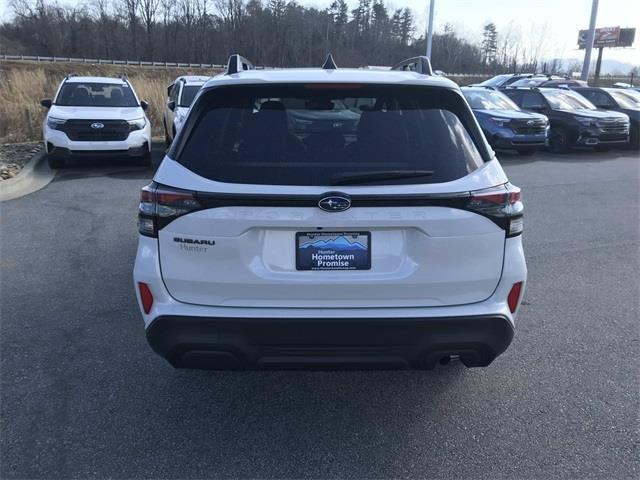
(130, 8)
(148, 10)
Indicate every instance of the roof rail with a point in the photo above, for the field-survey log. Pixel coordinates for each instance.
(238, 63)
(329, 63)
(415, 64)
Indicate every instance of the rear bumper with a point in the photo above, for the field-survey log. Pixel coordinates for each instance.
(327, 343)
(400, 337)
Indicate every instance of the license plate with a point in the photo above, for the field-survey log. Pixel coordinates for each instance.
(333, 250)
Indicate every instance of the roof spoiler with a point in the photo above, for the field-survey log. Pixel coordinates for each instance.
(238, 63)
(415, 64)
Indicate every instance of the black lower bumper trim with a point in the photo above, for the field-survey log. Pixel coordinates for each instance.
(65, 153)
(327, 343)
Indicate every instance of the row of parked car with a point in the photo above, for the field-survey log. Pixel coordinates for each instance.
(524, 112)
(527, 112)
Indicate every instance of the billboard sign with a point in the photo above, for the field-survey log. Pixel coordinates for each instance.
(608, 37)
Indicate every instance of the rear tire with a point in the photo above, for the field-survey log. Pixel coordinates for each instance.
(526, 152)
(55, 163)
(559, 140)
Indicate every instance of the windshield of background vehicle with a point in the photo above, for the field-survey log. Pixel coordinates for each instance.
(529, 82)
(76, 94)
(489, 100)
(188, 94)
(495, 81)
(567, 100)
(625, 100)
(246, 134)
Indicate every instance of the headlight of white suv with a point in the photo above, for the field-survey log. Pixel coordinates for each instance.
(137, 124)
(54, 123)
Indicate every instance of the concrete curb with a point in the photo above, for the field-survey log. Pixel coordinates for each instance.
(34, 176)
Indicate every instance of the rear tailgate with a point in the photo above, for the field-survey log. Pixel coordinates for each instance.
(246, 257)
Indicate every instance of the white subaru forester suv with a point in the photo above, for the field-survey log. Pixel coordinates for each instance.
(394, 245)
(96, 116)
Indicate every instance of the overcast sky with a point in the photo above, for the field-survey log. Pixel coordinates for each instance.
(563, 19)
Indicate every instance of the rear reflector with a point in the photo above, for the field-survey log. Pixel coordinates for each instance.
(514, 296)
(145, 297)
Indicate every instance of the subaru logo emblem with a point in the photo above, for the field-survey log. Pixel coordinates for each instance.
(530, 122)
(97, 125)
(334, 203)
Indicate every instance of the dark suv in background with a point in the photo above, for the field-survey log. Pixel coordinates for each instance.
(504, 124)
(574, 120)
(618, 100)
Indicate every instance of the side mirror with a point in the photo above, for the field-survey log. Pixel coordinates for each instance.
(144, 105)
(171, 105)
(537, 108)
(46, 103)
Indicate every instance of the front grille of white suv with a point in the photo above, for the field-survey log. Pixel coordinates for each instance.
(96, 130)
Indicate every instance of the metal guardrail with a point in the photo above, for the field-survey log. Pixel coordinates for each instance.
(101, 61)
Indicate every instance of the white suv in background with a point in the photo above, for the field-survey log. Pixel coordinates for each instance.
(396, 244)
(180, 95)
(95, 116)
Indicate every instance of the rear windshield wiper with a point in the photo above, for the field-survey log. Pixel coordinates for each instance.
(355, 178)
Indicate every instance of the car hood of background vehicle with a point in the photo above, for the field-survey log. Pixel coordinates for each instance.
(96, 113)
(510, 114)
(631, 112)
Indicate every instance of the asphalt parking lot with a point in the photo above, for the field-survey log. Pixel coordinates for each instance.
(83, 396)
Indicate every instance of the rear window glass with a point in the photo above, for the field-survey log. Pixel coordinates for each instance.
(75, 94)
(321, 135)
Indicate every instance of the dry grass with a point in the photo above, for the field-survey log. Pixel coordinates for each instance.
(24, 84)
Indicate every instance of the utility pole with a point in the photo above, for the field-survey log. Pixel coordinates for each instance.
(430, 28)
(596, 77)
(590, 37)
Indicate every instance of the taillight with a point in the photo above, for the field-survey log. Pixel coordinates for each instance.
(502, 204)
(160, 205)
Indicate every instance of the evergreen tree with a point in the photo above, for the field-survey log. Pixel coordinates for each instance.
(489, 45)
